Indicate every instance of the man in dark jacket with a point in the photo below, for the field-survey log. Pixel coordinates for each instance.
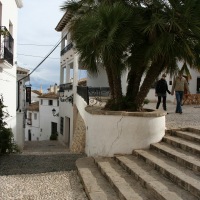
(161, 91)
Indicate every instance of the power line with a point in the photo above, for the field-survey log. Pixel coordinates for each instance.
(35, 45)
(35, 56)
(44, 58)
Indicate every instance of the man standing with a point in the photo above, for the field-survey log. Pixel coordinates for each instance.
(179, 85)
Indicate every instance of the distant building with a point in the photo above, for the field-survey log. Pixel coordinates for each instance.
(35, 95)
(41, 122)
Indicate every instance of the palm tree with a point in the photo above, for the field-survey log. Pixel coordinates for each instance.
(147, 36)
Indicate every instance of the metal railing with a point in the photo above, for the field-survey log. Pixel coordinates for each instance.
(67, 48)
(7, 45)
(93, 95)
(83, 92)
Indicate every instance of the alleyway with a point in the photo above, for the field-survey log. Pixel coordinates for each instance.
(44, 171)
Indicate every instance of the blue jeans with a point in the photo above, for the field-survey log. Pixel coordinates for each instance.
(179, 97)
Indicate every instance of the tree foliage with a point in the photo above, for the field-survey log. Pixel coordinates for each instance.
(145, 37)
(7, 144)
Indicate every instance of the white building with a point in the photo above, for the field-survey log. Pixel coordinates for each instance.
(8, 55)
(93, 128)
(22, 78)
(35, 95)
(41, 122)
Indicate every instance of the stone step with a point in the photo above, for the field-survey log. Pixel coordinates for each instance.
(183, 144)
(193, 130)
(187, 135)
(180, 156)
(160, 187)
(95, 185)
(125, 185)
(171, 170)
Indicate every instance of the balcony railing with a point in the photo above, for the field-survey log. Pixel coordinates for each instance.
(67, 48)
(94, 95)
(66, 86)
(7, 44)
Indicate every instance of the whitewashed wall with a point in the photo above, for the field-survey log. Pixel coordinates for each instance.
(98, 81)
(8, 76)
(46, 117)
(107, 135)
(66, 110)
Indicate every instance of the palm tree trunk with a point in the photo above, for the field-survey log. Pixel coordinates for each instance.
(134, 79)
(117, 88)
(110, 81)
(153, 72)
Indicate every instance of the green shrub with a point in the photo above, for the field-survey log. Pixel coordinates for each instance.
(7, 144)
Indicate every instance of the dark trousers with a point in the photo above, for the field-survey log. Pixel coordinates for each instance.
(164, 102)
(179, 98)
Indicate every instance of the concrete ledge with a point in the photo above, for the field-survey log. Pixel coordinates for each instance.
(95, 110)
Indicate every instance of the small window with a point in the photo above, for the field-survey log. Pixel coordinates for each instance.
(41, 101)
(50, 102)
(58, 102)
(35, 116)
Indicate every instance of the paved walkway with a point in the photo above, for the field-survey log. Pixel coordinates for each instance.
(189, 117)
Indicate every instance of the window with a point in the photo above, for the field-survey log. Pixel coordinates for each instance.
(61, 125)
(58, 102)
(41, 101)
(50, 102)
(198, 84)
(35, 116)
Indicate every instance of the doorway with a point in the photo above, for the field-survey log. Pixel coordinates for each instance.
(53, 128)
(67, 131)
(29, 135)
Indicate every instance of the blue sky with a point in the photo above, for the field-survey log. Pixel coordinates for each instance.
(37, 37)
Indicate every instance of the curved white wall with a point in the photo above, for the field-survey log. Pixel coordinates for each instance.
(107, 134)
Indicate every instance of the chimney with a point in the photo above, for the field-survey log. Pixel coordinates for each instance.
(41, 89)
(51, 88)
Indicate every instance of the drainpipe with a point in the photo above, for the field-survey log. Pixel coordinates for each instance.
(18, 97)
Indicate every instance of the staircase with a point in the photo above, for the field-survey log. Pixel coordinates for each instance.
(169, 170)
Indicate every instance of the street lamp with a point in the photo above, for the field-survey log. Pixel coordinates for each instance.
(54, 113)
(61, 92)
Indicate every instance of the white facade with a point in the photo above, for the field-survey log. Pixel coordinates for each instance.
(22, 78)
(35, 95)
(41, 123)
(8, 20)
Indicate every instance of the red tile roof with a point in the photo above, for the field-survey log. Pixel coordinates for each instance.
(33, 106)
(50, 95)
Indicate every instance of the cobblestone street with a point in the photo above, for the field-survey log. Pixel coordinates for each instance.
(44, 171)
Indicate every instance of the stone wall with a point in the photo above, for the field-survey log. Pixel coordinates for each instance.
(78, 144)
